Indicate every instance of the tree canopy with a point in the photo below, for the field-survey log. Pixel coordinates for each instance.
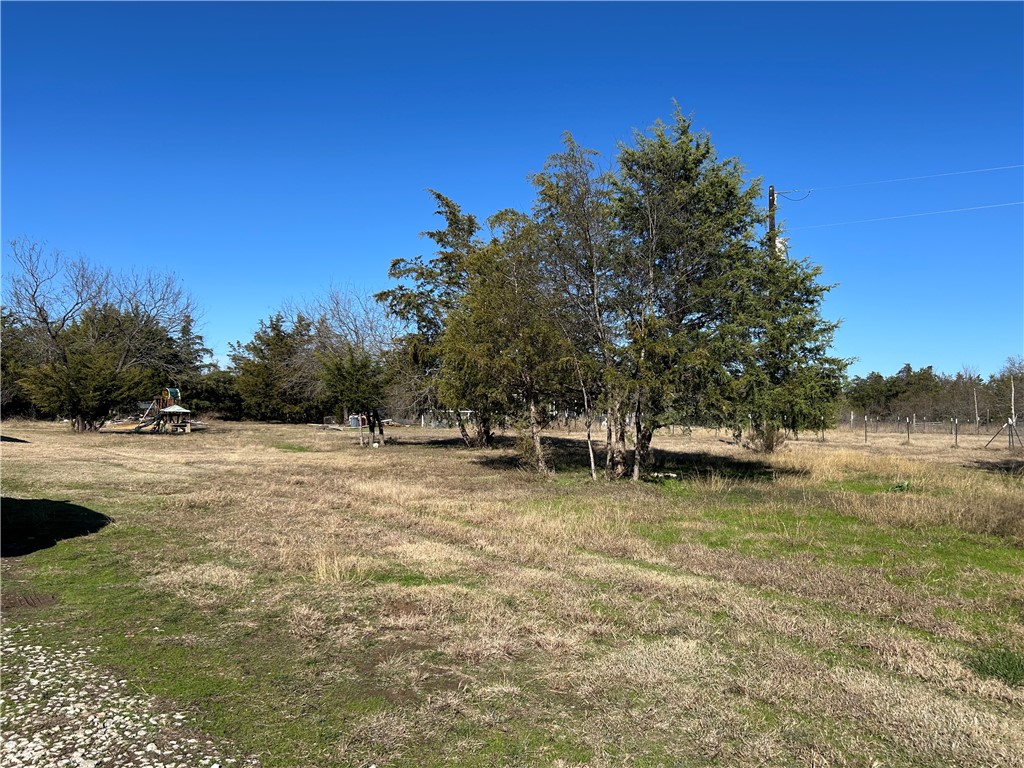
(82, 342)
(647, 293)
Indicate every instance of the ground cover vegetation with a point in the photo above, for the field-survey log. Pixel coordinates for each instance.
(840, 602)
(308, 602)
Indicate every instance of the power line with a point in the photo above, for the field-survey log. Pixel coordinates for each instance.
(906, 178)
(908, 216)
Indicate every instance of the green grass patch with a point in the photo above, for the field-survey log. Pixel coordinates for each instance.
(681, 489)
(665, 533)
(719, 487)
(212, 662)
(938, 560)
(292, 448)
(866, 484)
(407, 577)
(1000, 663)
(522, 745)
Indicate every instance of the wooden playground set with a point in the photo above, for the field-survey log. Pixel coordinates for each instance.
(164, 415)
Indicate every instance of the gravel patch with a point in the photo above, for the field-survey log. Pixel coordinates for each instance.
(59, 710)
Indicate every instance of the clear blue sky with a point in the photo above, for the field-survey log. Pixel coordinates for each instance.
(265, 152)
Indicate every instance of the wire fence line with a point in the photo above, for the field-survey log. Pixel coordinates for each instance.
(950, 426)
(858, 422)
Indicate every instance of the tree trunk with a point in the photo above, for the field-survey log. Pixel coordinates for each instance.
(590, 446)
(376, 423)
(615, 463)
(484, 435)
(462, 429)
(589, 420)
(644, 433)
(82, 424)
(538, 449)
(642, 455)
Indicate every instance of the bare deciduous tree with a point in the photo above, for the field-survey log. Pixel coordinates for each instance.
(88, 328)
(354, 335)
(49, 291)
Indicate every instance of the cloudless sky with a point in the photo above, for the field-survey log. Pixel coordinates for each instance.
(265, 152)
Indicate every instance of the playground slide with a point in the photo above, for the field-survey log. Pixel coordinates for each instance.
(145, 424)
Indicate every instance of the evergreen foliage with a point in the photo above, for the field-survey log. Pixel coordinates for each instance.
(500, 349)
(425, 303)
(215, 393)
(925, 395)
(642, 293)
(782, 379)
(82, 343)
(15, 357)
(356, 382)
(275, 373)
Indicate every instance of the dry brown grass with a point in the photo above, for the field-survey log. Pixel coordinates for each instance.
(591, 624)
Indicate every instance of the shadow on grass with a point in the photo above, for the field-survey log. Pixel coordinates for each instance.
(9, 439)
(570, 454)
(1011, 466)
(28, 525)
(437, 442)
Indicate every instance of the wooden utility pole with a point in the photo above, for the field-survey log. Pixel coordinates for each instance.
(771, 218)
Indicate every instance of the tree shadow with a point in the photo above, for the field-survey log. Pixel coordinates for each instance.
(1008, 466)
(502, 461)
(439, 442)
(497, 456)
(28, 525)
(568, 454)
(9, 439)
(698, 464)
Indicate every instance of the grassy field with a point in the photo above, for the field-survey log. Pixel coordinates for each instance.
(423, 605)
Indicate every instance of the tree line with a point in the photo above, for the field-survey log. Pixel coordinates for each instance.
(648, 293)
(929, 396)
